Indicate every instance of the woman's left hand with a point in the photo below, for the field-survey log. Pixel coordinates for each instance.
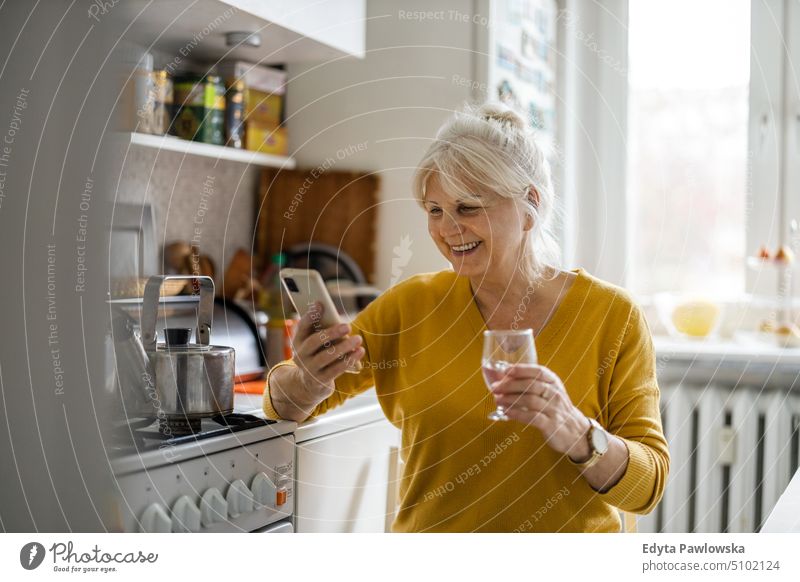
(535, 395)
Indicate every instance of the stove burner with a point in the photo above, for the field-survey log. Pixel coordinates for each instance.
(176, 426)
(144, 435)
(236, 420)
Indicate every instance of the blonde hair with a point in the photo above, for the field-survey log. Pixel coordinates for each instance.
(490, 147)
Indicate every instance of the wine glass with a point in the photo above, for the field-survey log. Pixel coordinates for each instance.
(501, 350)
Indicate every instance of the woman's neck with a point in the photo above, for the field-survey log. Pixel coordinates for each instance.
(494, 290)
(520, 300)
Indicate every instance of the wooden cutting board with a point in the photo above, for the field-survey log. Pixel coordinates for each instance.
(336, 208)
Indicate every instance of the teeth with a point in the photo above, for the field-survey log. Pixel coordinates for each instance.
(466, 247)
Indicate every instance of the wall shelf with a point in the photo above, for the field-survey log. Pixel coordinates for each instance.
(194, 148)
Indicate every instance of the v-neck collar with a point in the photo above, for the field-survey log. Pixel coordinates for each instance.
(568, 305)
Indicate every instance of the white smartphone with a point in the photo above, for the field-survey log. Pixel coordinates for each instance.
(305, 287)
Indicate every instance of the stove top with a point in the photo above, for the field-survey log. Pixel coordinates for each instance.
(142, 435)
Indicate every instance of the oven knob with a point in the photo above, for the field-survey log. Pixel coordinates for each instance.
(264, 490)
(281, 496)
(155, 519)
(240, 499)
(213, 507)
(185, 515)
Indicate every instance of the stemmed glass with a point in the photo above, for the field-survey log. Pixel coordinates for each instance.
(501, 350)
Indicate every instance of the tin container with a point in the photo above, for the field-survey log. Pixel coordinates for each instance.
(162, 102)
(200, 109)
(234, 114)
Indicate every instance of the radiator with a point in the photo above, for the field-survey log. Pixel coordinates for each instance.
(733, 452)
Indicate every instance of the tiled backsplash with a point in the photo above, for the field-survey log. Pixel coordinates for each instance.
(194, 199)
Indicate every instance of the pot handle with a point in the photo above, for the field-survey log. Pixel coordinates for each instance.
(205, 311)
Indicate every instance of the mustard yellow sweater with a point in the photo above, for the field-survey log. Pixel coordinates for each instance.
(463, 472)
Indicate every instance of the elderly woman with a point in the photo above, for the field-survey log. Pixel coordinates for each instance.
(584, 435)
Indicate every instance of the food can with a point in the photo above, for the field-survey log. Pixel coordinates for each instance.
(162, 106)
(234, 114)
(136, 98)
(200, 109)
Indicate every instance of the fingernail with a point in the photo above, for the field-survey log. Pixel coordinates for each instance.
(343, 328)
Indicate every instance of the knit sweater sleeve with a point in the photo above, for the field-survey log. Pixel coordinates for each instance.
(347, 385)
(634, 416)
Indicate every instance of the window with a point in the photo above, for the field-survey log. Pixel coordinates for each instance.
(688, 144)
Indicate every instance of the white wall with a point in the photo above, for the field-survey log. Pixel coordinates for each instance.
(593, 131)
(394, 100)
(219, 218)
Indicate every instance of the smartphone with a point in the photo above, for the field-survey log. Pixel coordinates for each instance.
(305, 287)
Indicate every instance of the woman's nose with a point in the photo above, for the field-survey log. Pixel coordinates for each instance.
(451, 225)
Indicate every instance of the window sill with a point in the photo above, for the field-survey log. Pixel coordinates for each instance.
(726, 361)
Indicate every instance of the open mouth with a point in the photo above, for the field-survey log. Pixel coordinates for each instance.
(465, 249)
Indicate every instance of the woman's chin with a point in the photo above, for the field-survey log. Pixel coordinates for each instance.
(466, 267)
(466, 264)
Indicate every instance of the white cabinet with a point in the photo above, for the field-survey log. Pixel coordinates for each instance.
(290, 30)
(338, 26)
(347, 481)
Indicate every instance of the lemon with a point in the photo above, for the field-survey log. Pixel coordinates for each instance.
(695, 318)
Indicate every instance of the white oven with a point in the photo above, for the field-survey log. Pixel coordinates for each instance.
(240, 481)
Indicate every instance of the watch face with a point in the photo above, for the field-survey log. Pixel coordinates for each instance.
(599, 439)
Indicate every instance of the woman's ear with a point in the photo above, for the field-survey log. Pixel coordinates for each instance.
(528, 221)
(533, 196)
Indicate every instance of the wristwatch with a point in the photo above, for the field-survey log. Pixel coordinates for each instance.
(598, 444)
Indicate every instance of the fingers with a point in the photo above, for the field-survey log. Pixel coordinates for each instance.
(539, 420)
(322, 340)
(532, 372)
(305, 327)
(309, 323)
(324, 368)
(339, 365)
(531, 390)
(511, 386)
(525, 402)
(324, 354)
(329, 351)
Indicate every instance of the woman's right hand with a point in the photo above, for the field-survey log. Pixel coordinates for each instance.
(322, 355)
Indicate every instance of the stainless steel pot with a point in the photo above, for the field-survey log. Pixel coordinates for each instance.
(190, 381)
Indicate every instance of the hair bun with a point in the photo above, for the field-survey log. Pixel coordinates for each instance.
(501, 114)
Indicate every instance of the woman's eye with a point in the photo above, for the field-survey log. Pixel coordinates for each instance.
(435, 211)
(468, 209)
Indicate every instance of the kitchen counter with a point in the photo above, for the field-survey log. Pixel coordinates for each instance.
(726, 362)
(723, 361)
(357, 411)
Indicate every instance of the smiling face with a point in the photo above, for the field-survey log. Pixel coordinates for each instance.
(481, 237)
